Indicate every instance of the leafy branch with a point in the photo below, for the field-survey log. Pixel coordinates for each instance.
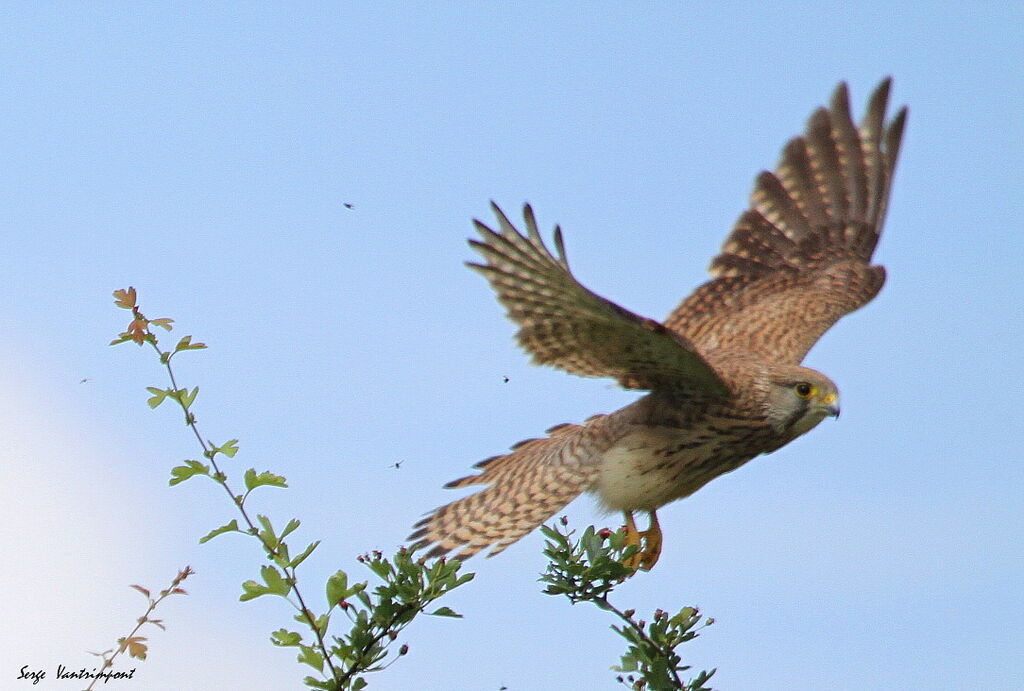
(134, 644)
(409, 586)
(584, 570)
(588, 570)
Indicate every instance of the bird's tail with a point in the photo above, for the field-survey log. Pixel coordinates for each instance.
(525, 488)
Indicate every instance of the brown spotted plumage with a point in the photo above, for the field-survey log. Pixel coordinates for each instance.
(723, 371)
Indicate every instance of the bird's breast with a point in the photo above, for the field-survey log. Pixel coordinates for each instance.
(651, 466)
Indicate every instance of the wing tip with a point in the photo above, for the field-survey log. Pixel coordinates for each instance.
(840, 101)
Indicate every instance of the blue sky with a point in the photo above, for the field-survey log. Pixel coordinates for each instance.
(204, 154)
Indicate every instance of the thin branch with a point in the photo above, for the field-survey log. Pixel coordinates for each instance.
(132, 643)
(665, 651)
(220, 478)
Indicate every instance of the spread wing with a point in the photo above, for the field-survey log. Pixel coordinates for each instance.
(799, 258)
(564, 325)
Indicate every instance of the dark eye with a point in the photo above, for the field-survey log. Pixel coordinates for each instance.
(803, 390)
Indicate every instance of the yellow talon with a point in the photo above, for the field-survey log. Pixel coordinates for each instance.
(632, 538)
(647, 557)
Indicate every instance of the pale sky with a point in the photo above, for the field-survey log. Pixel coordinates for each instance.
(204, 154)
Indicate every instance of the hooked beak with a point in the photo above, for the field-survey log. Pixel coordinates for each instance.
(830, 404)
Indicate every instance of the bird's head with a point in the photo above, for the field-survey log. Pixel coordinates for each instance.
(798, 398)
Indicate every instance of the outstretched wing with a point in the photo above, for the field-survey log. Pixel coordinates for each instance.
(565, 325)
(799, 258)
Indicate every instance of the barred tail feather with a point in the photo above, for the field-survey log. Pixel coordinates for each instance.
(525, 488)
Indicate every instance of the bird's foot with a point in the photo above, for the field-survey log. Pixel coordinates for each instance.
(646, 557)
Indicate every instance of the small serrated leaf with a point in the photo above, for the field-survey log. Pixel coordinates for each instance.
(268, 527)
(135, 647)
(125, 299)
(381, 568)
(311, 657)
(184, 472)
(163, 323)
(231, 527)
(252, 590)
(337, 587)
(252, 480)
(290, 528)
(274, 580)
(158, 396)
(186, 397)
(305, 553)
(445, 612)
(285, 638)
(186, 344)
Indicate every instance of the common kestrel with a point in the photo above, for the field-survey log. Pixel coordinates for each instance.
(723, 371)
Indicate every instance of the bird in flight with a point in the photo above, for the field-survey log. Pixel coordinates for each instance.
(722, 372)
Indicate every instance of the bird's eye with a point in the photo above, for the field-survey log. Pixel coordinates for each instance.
(804, 390)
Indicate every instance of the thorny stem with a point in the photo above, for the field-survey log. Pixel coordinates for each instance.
(253, 530)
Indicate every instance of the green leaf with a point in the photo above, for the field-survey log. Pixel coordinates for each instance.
(227, 527)
(252, 590)
(337, 588)
(268, 527)
(184, 472)
(229, 448)
(292, 525)
(185, 397)
(187, 344)
(231, 527)
(381, 568)
(252, 480)
(629, 664)
(445, 612)
(274, 580)
(281, 557)
(311, 657)
(267, 535)
(158, 396)
(285, 638)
